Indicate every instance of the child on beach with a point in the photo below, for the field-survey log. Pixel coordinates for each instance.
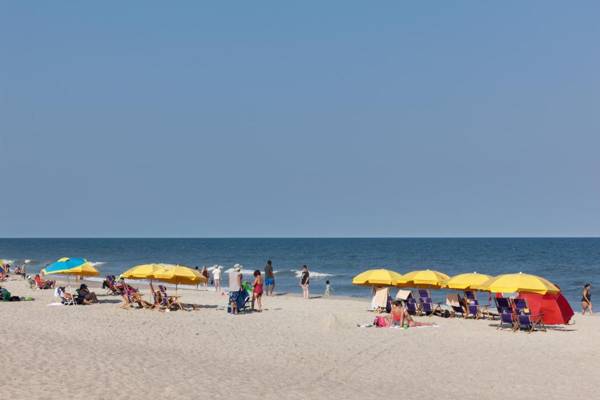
(328, 290)
(257, 290)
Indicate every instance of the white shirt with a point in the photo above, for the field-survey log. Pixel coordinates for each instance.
(217, 274)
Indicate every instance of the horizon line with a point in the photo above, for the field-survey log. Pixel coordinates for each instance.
(300, 237)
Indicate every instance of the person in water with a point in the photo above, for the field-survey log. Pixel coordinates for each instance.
(257, 290)
(305, 281)
(269, 278)
(586, 299)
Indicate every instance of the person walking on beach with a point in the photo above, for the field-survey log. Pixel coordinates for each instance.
(328, 290)
(269, 278)
(217, 278)
(257, 290)
(586, 299)
(205, 274)
(305, 281)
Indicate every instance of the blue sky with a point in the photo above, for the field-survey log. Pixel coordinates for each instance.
(342, 118)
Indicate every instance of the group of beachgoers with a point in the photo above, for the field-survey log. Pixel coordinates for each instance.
(132, 297)
(240, 292)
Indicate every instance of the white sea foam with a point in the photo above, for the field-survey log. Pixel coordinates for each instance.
(313, 274)
(97, 263)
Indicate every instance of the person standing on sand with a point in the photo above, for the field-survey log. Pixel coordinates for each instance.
(217, 278)
(305, 281)
(269, 278)
(257, 290)
(586, 299)
(205, 274)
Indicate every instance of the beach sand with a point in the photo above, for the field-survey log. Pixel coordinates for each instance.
(295, 349)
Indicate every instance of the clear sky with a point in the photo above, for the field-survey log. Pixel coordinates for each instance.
(273, 118)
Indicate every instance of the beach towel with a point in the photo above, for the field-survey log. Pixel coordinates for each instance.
(453, 301)
(380, 298)
(403, 294)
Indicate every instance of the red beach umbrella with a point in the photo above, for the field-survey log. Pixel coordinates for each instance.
(554, 307)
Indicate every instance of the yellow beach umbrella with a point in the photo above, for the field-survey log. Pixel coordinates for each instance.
(377, 277)
(510, 283)
(180, 275)
(466, 281)
(143, 271)
(425, 278)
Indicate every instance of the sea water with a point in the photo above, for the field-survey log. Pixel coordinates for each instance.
(568, 262)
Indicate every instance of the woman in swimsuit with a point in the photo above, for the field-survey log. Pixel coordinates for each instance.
(257, 290)
(400, 317)
(586, 299)
(305, 281)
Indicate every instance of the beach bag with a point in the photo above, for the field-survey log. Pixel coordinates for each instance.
(381, 321)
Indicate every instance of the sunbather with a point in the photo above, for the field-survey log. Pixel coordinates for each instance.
(170, 302)
(43, 284)
(84, 296)
(128, 294)
(399, 316)
(5, 295)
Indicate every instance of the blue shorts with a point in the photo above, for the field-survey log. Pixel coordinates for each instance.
(269, 281)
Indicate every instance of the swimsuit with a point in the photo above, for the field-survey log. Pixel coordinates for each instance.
(588, 300)
(258, 288)
(269, 281)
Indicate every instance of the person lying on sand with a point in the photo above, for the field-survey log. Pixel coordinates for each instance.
(399, 316)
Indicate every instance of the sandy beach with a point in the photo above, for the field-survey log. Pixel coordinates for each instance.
(295, 349)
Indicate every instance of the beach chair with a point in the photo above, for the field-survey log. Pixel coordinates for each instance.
(238, 301)
(170, 302)
(507, 320)
(503, 305)
(380, 299)
(455, 303)
(428, 308)
(473, 311)
(403, 295)
(65, 298)
(530, 322)
(424, 294)
(521, 306)
(471, 298)
(411, 307)
(110, 285)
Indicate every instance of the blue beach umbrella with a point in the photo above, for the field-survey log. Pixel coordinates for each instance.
(71, 266)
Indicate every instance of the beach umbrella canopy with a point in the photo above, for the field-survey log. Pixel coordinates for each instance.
(377, 277)
(553, 307)
(143, 271)
(509, 283)
(425, 278)
(71, 266)
(466, 281)
(180, 275)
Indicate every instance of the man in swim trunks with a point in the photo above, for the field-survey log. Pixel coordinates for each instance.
(269, 278)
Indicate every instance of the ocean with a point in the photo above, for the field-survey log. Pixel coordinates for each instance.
(568, 262)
